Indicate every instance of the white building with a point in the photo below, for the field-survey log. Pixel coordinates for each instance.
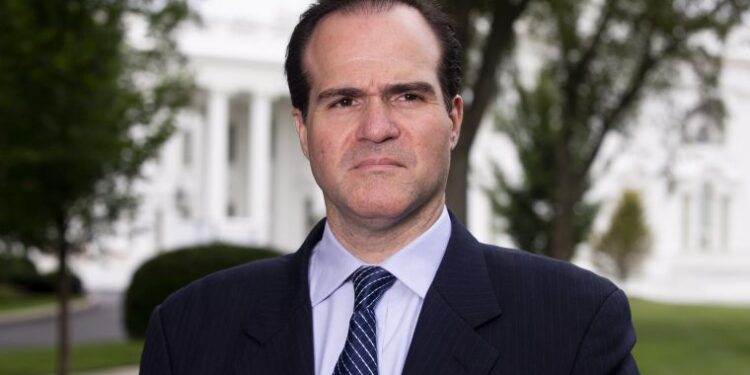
(233, 172)
(697, 192)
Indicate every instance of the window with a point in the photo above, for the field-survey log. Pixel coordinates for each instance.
(182, 203)
(701, 130)
(686, 222)
(706, 218)
(725, 205)
(232, 144)
(187, 148)
(703, 124)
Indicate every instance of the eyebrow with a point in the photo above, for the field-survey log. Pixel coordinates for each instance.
(342, 91)
(395, 88)
(419, 86)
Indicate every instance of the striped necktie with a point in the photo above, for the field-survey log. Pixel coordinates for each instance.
(360, 354)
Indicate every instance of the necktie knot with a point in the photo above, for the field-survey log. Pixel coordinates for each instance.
(370, 282)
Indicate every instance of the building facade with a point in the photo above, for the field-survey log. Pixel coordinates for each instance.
(234, 172)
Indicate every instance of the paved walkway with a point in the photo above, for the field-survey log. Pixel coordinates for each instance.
(99, 321)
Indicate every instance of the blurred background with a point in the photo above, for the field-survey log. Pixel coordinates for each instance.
(144, 144)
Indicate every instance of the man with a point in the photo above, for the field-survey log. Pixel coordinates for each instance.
(389, 283)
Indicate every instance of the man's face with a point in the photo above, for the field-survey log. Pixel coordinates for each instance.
(377, 133)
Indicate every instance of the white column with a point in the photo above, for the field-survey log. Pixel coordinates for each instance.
(259, 185)
(215, 165)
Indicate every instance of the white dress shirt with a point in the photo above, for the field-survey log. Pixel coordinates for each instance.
(332, 296)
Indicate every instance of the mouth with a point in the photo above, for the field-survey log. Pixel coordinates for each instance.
(374, 163)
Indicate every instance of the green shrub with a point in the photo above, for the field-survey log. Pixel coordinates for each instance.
(14, 266)
(627, 240)
(45, 283)
(20, 274)
(158, 277)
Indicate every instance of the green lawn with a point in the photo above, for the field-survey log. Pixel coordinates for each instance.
(12, 300)
(672, 340)
(691, 340)
(24, 302)
(15, 302)
(41, 361)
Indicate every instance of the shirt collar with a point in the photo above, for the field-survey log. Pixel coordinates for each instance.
(414, 265)
(330, 266)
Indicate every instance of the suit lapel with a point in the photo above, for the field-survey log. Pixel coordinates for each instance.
(445, 340)
(282, 328)
(460, 300)
(289, 351)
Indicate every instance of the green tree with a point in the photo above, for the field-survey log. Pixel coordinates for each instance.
(81, 110)
(627, 239)
(527, 205)
(602, 58)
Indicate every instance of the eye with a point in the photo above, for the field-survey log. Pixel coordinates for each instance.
(410, 97)
(343, 102)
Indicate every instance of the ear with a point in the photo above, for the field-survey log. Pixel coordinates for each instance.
(457, 117)
(299, 124)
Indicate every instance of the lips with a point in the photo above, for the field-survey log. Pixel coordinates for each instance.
(377, 162)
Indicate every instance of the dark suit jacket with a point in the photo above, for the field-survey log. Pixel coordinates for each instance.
(489, 311)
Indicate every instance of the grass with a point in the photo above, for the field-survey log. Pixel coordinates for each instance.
(41, 361)
(691, 340)
(672, 340)
(20, 302)
(13, 301)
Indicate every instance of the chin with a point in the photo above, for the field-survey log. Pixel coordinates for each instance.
(377, 210)
(380, 207)
(386, 202)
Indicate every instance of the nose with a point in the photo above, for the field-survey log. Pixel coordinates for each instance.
(377, 124)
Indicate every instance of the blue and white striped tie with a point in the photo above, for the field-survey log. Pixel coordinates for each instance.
(360, 354)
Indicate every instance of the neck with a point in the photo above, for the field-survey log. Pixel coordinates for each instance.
(375, 240)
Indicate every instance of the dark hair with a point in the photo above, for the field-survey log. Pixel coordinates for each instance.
(449, 68)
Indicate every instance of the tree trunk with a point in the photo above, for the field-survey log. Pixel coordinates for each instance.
(494, 51)
(458, 184)
(563, 222)
(561, 240)
(63, 284)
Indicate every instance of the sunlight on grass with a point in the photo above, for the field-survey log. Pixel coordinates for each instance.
(41, 361)
(25, 302)
(672, 340)
(12, 300)
(689, 340)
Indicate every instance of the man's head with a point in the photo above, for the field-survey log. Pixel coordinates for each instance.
(449, 70)
(371, 113)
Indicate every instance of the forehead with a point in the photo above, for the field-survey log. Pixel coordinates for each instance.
(371, 42)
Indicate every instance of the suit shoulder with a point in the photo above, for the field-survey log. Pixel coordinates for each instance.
(245, 281)
(537, 273)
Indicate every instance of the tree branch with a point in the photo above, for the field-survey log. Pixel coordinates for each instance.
(611, 119)
(504, 16)
(575, 72)
(588, 56)
(646, 65)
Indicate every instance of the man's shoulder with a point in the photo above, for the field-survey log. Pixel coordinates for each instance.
(214, 315)
(524, 272)
(253, 281)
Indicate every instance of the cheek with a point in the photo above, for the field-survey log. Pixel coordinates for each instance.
(323, 153)
(435, 155)
(434, 145)
(319, 155)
